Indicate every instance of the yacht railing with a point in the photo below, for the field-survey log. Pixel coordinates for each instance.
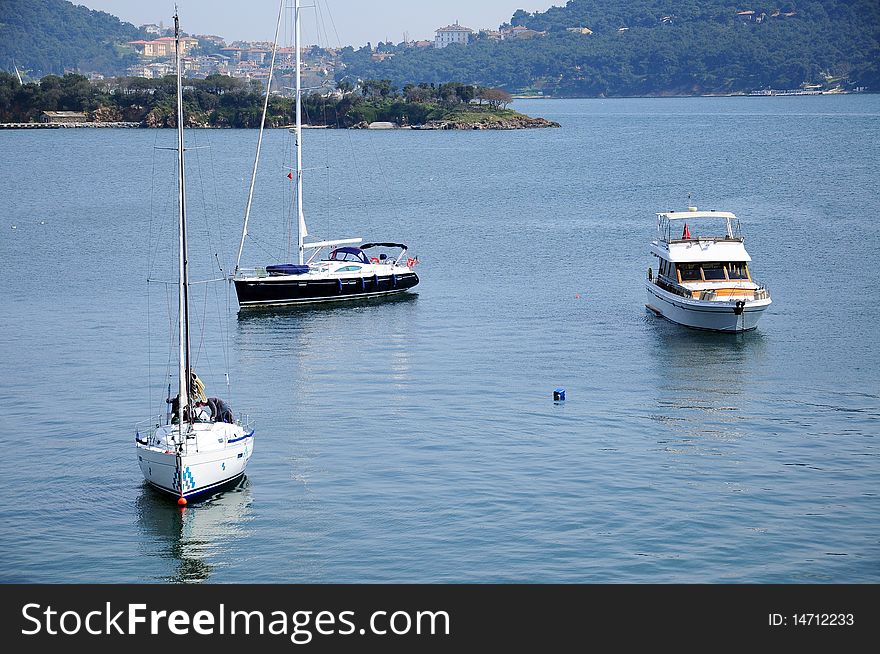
(145, 429)
(244, 421)
(673, 287)
(733, 230)
(247, 273)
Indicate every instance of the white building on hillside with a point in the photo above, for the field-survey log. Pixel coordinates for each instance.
(452, 34)
(150, 28)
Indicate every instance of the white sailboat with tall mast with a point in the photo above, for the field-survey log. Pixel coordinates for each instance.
(351, 270)
(193, 451)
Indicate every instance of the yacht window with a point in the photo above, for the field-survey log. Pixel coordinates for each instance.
(690, 272)
(713, 272)
(737, 270)
(348, 269)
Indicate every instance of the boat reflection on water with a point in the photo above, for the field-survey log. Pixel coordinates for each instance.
(703, 382)
(193, 541)
(329, 349)
(321, 335)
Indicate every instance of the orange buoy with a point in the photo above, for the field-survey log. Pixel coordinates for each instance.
(181, 501)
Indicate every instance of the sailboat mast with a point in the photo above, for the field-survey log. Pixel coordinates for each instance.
(301, 229)
(183, 307)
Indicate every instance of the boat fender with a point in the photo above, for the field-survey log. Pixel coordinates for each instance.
(376, 280)
(650, 275)
(363, 284)
(738, 307)
(394, 281)
(339, 285)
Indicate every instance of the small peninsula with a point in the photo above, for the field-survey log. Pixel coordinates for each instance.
(220, 101)
(470, 117)
(452, 105)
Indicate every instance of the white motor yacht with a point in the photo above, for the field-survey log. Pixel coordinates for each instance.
(703, 278)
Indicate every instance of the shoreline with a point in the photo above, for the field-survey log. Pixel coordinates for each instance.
(774, 93)
(517, 122)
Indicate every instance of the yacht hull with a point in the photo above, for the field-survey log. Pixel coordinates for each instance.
(718, 316)
(287, 290)
(193, 473)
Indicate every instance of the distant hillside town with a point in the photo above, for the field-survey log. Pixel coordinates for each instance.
(208, 54)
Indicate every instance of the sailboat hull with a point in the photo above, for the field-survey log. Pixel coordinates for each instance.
(705, 315)
(222, 457)
(287, 290)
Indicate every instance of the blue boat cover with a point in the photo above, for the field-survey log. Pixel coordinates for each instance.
(287, 269)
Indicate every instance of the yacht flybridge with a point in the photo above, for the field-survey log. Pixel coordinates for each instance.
(703, 278)
(334, 270)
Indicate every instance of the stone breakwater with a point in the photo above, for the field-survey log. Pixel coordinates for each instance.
(488, 122)
(517, 122)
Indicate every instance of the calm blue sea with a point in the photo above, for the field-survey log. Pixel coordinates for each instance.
(417, 440)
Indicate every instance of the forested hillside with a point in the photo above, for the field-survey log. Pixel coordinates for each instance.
(656, 47)
(51, 36)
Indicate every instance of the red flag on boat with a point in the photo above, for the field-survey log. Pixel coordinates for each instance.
(686, 234)
(289, 175)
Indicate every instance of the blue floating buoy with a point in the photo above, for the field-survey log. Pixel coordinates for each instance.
(559, 395)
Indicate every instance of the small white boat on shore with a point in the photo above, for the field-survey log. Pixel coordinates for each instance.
(703, 278)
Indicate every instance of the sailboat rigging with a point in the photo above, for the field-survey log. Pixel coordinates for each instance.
(194, 450)
(348, 272)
